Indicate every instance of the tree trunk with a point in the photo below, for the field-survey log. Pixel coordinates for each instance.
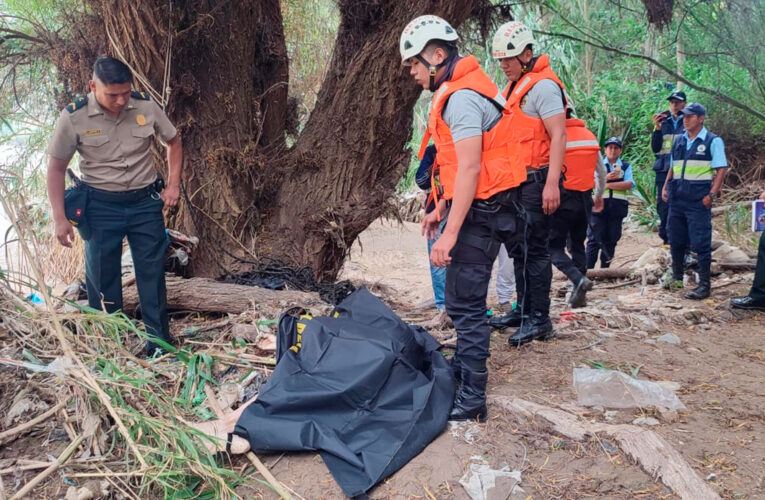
(246, 194)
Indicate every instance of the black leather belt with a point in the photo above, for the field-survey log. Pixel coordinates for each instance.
(132, 196)
(536, 174)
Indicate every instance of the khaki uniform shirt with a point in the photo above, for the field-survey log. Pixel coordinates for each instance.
(115, 155)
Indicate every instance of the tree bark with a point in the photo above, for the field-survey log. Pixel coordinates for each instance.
(246, 195)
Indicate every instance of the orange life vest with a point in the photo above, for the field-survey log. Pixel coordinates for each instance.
(581, 157)
(531, 143)
(497, 173)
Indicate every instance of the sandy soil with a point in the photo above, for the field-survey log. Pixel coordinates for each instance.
(718, 365)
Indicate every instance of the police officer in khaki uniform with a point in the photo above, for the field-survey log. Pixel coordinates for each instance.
(112, 130)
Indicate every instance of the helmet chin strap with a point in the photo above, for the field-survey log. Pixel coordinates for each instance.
(433, 69)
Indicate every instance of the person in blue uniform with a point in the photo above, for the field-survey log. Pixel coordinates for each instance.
(667, 125)
(693, 183)
(112, 128)
(605, 229)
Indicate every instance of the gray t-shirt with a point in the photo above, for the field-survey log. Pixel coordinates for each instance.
(543, 100)
(469, 114)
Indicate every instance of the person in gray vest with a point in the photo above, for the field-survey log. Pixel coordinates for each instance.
(693, 183)
(667, 125)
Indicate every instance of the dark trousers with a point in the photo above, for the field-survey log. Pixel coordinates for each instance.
(568, 226)
(690, 225)
(605, 231)
(468, 275)
(758, 285)
(144, 227)
(662, 207)
(533, 267)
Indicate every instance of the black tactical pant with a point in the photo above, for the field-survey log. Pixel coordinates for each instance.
(468, 274)
(758, 285)
(142, 222)
(662, 207)
(533, 267)
(569, 228)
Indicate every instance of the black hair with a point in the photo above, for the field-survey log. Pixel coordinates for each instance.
(110, 70)
(449, 47)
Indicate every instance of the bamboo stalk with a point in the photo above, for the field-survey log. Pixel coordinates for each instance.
(82, 370)
(50, 470)
(21, 428)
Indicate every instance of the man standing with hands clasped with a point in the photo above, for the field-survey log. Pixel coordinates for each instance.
(112, 130)
(693, 183)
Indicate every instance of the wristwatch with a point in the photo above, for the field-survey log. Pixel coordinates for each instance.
(714, 196)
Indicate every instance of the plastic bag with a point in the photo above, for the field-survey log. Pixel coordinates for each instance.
(613, 389)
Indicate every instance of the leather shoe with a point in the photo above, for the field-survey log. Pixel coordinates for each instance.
(700, 292)
(747, 303)
(537, 327)
(508, 320)
(579, 293)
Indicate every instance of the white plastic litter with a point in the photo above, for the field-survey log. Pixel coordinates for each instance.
(613, 389)
(480, 478)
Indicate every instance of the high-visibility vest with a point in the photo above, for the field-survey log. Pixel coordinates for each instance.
(581, 157)
(497, 171)
(669, 131)
(530, 143)
(618, 194)
(694, 165)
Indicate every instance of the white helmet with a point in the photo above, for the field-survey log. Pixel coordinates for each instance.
(422, 30)
(511, 39)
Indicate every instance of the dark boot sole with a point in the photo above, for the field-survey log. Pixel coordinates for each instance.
(543, 337)
(472, 416)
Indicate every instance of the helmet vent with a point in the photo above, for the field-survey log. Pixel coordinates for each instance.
(408, 45)
(510, 46)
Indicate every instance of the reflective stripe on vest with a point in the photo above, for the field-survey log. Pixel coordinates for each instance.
(581, 156)
(618, 194)
(694, 165)
(666, 144)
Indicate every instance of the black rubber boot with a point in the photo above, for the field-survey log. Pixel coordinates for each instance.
(511, 319)
(470, 403)
(537, 327)
(579, 293)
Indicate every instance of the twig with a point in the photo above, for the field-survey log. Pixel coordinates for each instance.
(620, 285)
(21, 428)
(591, 344)
(50, 470)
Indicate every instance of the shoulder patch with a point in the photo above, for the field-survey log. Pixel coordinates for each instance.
(78, 102)
(143, 96)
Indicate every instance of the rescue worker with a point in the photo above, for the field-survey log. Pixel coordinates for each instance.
(112, 129)
(534, 97)
(756, 297)
(693, 183)
(667, 125)
(571, 220)
(477, 182)
(605, 229)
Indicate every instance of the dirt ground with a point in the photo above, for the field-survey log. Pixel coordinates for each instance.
(718, 366)
(717, 369)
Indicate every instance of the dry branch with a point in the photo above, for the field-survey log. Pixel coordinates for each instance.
(655, 455)
(28, 425)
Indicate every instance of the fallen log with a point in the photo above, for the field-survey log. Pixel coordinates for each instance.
(206, 295)
(616, 273)
(655, 455)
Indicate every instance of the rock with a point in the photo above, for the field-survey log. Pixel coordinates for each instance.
(656, 256)
(645, 421)
(610, 415)
(649, 341)
(245, 331)
(92, 490)
(669, 338)
(668, 416)
(729, 253)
